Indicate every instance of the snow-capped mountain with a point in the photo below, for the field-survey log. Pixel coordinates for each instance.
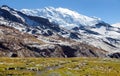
(63, 24)
(23, 22)
(71, 20)
(84, 25)
(64, 17)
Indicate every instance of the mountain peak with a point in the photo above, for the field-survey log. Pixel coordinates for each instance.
(63, 17)
(5, 7)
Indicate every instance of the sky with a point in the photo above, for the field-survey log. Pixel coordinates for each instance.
(107, 10)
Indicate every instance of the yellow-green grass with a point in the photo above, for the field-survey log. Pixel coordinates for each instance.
(59, 67)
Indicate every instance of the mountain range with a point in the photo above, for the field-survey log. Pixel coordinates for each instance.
(56, 32)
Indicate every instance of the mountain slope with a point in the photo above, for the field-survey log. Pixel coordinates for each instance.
(14, 43)
(17, 44)
(100, 34)
(72, 20)
(87, 37)
(23, 22)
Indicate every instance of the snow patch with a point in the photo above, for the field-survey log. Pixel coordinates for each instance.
(116, 25)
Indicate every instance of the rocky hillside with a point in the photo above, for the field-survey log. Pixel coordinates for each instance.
(14, 43)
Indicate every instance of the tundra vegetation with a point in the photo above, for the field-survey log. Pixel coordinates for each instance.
(59, 66)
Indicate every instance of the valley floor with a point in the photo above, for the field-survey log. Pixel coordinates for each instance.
(59, 67)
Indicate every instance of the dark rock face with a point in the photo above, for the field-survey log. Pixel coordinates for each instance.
(14, 55)
(7, 15)
(86, 30)
(82, 50)
(68, 51)
(114, 55)
(44, 23)
(103, 24)
(74, 35)
(17, 44)
(112, 40)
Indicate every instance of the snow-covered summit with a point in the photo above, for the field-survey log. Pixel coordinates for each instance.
(63, 16)
(5, 7)
(116, 25)
(12, 11)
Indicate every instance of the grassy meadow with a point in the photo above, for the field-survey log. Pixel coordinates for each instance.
(59, 67)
